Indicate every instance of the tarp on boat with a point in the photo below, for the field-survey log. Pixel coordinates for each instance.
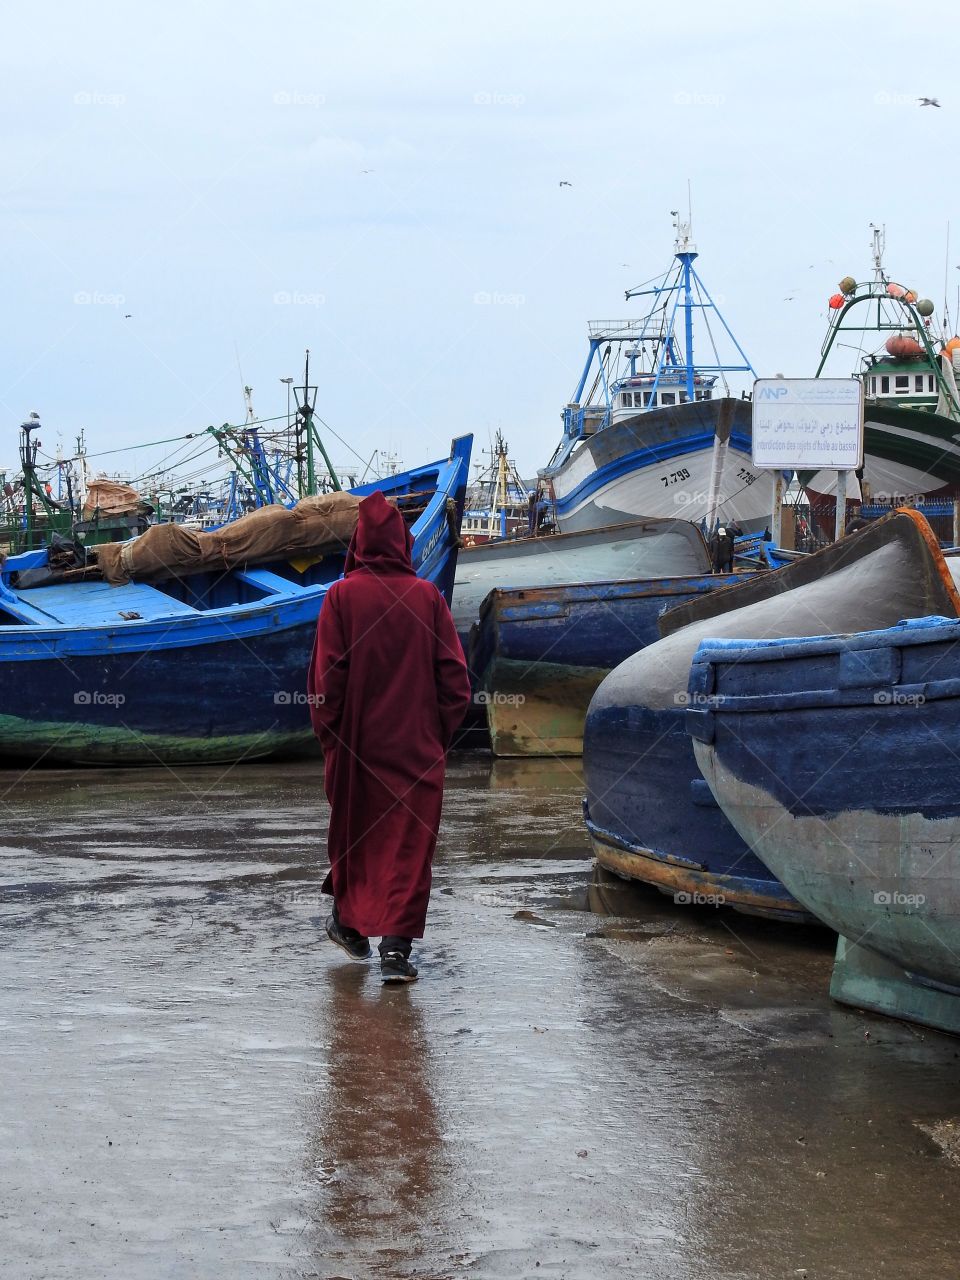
(109, 498)
(316, 526)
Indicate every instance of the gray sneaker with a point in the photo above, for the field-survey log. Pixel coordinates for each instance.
(395, 967)
(354, 944)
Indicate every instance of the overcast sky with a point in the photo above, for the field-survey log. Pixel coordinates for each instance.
(201, 169)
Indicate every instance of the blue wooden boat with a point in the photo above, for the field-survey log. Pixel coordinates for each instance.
(541, 652)
(200, 669)
(631, 552)
(835, 757)
(649, 812)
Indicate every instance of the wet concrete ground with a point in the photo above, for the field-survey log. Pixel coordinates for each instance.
(194, 1083)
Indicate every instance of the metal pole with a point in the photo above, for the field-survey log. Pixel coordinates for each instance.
(776, 523)
(840, 527)
(27, 453)
(308, 427)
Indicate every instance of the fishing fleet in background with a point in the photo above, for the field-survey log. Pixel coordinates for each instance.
(767, 725)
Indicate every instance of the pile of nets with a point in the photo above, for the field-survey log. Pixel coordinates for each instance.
(316, 526)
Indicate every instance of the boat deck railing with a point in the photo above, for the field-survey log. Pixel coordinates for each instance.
(628, 330)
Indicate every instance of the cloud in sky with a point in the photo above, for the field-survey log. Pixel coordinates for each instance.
(381, 183)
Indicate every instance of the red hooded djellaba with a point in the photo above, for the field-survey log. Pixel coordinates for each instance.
(389, 688)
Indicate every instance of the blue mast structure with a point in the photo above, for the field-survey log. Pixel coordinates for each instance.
(680, 286)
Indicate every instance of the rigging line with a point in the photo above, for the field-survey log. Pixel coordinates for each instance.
(341, 439)
(661, 275)
(205, 444)
(716, 354)
(210, 460)
(200, 461)
(148, 478)
(152, 444)
(166, 463)
(202, 474)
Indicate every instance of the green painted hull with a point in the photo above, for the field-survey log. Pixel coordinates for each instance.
(78, 743)
(865, 980)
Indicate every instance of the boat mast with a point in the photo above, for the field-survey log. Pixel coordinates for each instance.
(306, 407)
(686, 251)
(28, 458)
(502, 482)
(82, 468)
(893, 312)
(248, 401)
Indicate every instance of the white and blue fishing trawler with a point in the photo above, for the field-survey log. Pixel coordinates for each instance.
(657, 432)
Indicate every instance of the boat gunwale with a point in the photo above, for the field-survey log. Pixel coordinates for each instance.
(236, 622)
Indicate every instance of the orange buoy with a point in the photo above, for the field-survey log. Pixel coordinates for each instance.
(896, 290)
(836, 301)
(903, 348)
(951, 346)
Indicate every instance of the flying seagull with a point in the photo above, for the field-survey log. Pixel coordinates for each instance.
(928, 102)
(566, 184)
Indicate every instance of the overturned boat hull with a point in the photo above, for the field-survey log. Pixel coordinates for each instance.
(637, 550)
(835, 759)
(646, 795)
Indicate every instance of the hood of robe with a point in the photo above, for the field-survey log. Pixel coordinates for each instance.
(382, 542)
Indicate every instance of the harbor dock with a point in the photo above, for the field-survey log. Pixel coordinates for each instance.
(591, 1080)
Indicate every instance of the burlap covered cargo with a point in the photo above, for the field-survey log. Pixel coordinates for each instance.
(109, 498)
(315, 526)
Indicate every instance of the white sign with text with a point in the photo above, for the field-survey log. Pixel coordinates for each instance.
(808, 424)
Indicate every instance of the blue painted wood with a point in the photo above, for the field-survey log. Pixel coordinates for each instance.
(584, 625)
(642, 778)
(836, 759)
(644, 787)
(180, 683)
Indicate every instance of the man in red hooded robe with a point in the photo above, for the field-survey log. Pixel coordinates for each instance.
(388, 688)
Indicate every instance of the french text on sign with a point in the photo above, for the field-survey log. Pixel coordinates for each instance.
(808, 424)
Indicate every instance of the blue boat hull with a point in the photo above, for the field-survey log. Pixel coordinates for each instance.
(173, 684)
(836, 760)
(221, 702)
(644, 787)
(540, 653)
